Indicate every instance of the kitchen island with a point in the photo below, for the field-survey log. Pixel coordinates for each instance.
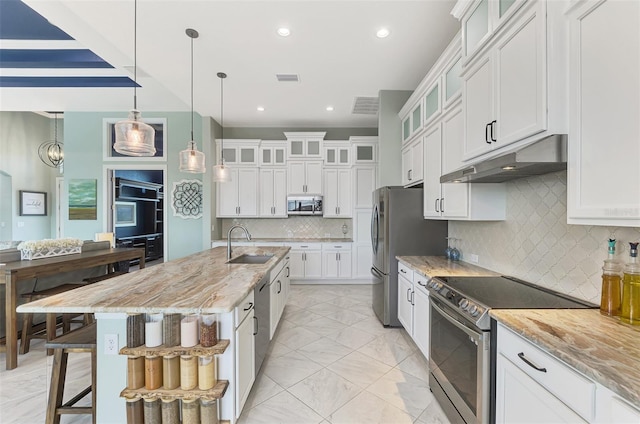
(201, 283)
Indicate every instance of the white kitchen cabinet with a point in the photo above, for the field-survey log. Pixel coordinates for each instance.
(273, 193)
(455, 201)
(245, 353)
(337, 193)
(534, 386)
(603, 179)
(611, 408)
(482, 20)
(452, 81)
(432, 103)
(305, 145)
(513, 90)
(305, 261)
(238, 197)
(361, 248)
(273, 153)
(412, 163)
(239, 152)
(421, 314)
(406, 128)
(337, 153)
(405, 300)
(336, 260)
(304, 177)
(364, 183)
(365, 149)
(279, 293)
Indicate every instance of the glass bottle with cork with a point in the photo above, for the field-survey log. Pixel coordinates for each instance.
(630, 309)
(611, 298)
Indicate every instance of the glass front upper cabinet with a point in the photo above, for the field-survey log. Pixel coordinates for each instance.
(406, 128)
(452, 81)
(416, 118)
(432, 103)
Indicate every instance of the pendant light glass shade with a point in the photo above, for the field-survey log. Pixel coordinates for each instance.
(221, 173)
(51, 152)
(134, 137)
(192, 160)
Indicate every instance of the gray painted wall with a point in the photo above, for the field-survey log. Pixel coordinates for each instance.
(390, 137)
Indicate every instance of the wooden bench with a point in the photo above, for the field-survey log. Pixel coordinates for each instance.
(81, 340)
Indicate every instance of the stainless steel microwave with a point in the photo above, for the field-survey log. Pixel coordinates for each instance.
(304, 205)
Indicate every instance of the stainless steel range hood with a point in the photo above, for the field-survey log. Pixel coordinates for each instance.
(543, 156)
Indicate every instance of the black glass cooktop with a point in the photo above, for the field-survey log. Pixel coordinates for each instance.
(511, 293)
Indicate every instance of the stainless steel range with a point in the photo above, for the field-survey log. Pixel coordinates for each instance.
(461, 358)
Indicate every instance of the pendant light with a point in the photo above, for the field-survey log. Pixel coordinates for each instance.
(221, 173)
(134, 137)
(51, 152)
(192, 160)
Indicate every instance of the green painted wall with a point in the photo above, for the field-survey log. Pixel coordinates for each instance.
(84, 150)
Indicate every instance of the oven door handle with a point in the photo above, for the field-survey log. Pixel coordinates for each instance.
(474, 335)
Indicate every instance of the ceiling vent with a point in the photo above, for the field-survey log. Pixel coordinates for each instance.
(288, 77)
(365, 106)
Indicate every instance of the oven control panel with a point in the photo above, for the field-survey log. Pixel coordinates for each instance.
(464, 305)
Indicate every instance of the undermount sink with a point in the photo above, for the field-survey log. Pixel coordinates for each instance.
(250, 259)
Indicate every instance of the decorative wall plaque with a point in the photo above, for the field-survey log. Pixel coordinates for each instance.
(187, 199)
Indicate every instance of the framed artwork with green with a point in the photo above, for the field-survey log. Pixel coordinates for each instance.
(83, 199)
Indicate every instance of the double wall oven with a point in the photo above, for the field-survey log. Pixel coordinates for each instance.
(462, 344)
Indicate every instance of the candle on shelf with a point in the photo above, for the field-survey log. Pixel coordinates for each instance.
(189, 331)
(153, 330)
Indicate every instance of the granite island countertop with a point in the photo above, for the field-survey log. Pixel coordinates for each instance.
(602, 348)
(199, 283)
(432, 266)
(286, 240)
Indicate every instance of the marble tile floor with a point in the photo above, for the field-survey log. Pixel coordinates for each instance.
(24, 390)
(331, 361)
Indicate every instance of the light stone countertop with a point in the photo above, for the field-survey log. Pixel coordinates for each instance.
(440, 266)
(602, 348)
(199, 283)
(287, 240)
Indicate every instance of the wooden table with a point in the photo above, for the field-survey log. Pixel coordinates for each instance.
(27, 270)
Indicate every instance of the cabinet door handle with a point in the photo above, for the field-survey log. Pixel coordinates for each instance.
(492, 123)
(412, 293)
(436, 202)
(442, 204)
(409, 295)
(279, 287)
(255, 326)
(336, 210)
(288, 272)
(410, 174)
(486, 133)
(403, 271)
(248, 308)
(531, 364)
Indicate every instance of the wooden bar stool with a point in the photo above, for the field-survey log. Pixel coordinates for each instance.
(51, 323)
(81, 340)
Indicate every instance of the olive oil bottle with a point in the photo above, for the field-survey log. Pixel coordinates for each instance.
(630, 310)
(611, 299)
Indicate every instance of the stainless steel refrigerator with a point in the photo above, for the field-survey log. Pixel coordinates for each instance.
(399, 229)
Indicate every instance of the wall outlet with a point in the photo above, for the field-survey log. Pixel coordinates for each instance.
(110, 344)
(473, 258)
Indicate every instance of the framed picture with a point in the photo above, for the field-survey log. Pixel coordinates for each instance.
(83, 199)
(125, 214)
(109, 138)
(33, 203)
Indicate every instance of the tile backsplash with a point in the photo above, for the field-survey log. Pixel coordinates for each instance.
(292, 227)
(536, 244)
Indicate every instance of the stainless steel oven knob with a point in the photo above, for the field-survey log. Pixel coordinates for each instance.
(473, 310)
(464, 304)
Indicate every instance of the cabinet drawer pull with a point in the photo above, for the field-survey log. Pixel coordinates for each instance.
(248, 308)
(531, 364)
(403, 271)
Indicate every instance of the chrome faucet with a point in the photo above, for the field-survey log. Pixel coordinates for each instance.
(246, 232)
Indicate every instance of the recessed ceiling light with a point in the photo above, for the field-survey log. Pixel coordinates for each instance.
(383, 33)
(260, 109)
(283, 32)
(329, 108)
